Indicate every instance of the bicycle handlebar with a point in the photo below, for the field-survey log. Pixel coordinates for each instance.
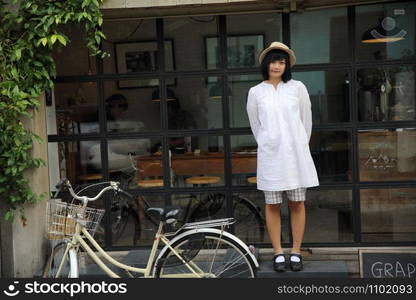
(113, 186)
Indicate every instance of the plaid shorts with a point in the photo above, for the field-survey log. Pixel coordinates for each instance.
(276, 197)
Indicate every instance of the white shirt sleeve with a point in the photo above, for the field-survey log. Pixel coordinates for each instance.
(305, 109)
(252, 112)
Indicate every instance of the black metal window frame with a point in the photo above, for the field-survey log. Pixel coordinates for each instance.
(353, 126)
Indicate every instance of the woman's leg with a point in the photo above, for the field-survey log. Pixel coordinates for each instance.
(297, 220)
(274, 226)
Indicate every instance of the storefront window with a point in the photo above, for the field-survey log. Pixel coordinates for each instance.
(386, 31)
(331, 152)
(134, 118)
(320, 36)
(387, 154)
(131, 109)
(248, 209)
(130, 225)
(127, 162)
(73, 109)
(132, 46)
(194, 103)
(388, 214)
(197, 161)
(329, 95)
(238, 87)
(75, 58)
(78, 161)
(247, 36)
(329, 214)
(200, 206)
(190, 38)
(244, 159)
(386, 93)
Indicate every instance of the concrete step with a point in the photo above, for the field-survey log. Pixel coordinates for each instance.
(138, 258)
(311, 269)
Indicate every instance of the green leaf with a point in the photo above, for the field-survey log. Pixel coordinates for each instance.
(18, 53)
(53, 38)
(15, 74)
(9, 216)
(38, 138)
(61, 39)
(44, 41)
(85, 3)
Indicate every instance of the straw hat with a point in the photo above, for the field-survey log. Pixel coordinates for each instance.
(278, 46)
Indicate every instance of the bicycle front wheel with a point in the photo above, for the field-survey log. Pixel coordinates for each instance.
(205, 255)
(61, 264)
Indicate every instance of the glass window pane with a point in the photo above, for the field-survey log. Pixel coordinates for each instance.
(197, 161)
(130, 225)
(329, 94)
(194, 103)
(131, 110)
(75, 51)
(189, 36)
(74, 109)
(320, 36)
(244, 159)
(248, 35)
(386, 31)
(329, 215)
(387, 154)
(132, 46)
(200, 207)
(79, 162)
(128, 162)
(386, 94)
(331, 152)
(250, 226)
(238, 87)
(388, 214)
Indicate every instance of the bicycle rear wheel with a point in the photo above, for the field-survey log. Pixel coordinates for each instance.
(69, 261)
(209, 254)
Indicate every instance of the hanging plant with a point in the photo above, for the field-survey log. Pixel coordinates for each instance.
(29, 31)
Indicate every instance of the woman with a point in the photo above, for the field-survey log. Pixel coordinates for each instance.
(280, 115)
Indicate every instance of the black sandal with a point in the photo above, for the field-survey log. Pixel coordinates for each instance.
(295, 266)
(279, 266)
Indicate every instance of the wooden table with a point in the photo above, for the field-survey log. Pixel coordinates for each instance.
(195, 165)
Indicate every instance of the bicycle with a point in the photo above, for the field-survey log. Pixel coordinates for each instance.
(195, 250)
(249, 225)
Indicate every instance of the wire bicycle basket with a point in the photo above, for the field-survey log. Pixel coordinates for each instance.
(62, 218)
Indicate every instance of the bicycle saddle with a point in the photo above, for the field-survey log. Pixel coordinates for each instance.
(167, 214)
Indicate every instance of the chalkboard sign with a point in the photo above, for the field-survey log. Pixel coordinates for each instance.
(387, 263)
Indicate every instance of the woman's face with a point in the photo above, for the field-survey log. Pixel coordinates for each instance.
(276, 69)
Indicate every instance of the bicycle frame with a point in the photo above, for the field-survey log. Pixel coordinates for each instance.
(78, 240)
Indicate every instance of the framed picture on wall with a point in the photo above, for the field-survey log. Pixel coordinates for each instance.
(136, 57)
(242, 51)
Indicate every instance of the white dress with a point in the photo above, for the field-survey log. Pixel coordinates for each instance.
(281, 121)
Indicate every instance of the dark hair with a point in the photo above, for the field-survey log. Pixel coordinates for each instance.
(273, 56)
(117, 97)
